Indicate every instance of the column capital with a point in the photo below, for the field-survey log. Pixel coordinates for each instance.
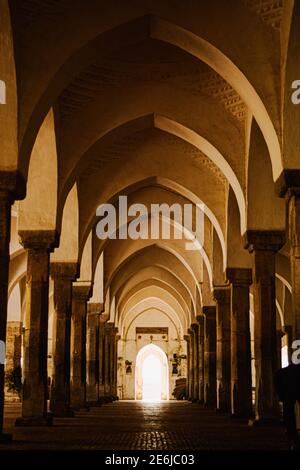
(109, 327)
(222, 294)
(81, 292)
(94, 308)
(264, 240)
(13, 184)
(39, 239)
(209, 311)
(64, 270)
(294, 222)
(239, 276)
(289, 180)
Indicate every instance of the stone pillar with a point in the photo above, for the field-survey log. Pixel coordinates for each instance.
(293, 200)
(188, 359)
(80, 295)
(107, 358)
(222, 297)
(118, 337)
(12, 187)
(241, 379)
(195, 339)
(191, 364)
(113, 362)
(39, 244)
(200, 319)
(102, 358)
(210, 383)
(264, 246)
(63, 275)
(93, 314)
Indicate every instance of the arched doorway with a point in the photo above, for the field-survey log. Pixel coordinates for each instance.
(151, 374)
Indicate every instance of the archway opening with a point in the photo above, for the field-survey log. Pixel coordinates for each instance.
(151, 374)
(152, 378)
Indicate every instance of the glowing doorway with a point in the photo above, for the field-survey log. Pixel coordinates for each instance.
(151, 374)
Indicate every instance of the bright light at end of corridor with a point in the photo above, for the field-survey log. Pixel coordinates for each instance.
(152, 378)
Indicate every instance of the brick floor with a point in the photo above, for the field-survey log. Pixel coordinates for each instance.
(129, 425)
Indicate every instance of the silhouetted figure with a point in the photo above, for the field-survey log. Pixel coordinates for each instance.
(287, 384)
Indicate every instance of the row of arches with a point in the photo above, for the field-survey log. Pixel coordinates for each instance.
(156, 103)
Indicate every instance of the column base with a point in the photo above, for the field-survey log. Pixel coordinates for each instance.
(34, 421)
(5, 438)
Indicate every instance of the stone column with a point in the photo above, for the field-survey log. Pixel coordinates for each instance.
(188, 358)
(102, 358)
(293, 200)
(222, 297)
(191, 364)
(194, 338)
(264, 246)
(93, 314)
(241, 379)
(39, 244)
(12, 187)
(107, 358)
(80, 295)
(113, 365)
(210, 383)
(6, 201)
(63, 275)
(118, 337)
(200, 319)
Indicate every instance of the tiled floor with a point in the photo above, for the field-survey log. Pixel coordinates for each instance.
(129, 425)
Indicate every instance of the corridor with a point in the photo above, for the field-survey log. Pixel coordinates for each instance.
(136, 425)
(149, 224)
